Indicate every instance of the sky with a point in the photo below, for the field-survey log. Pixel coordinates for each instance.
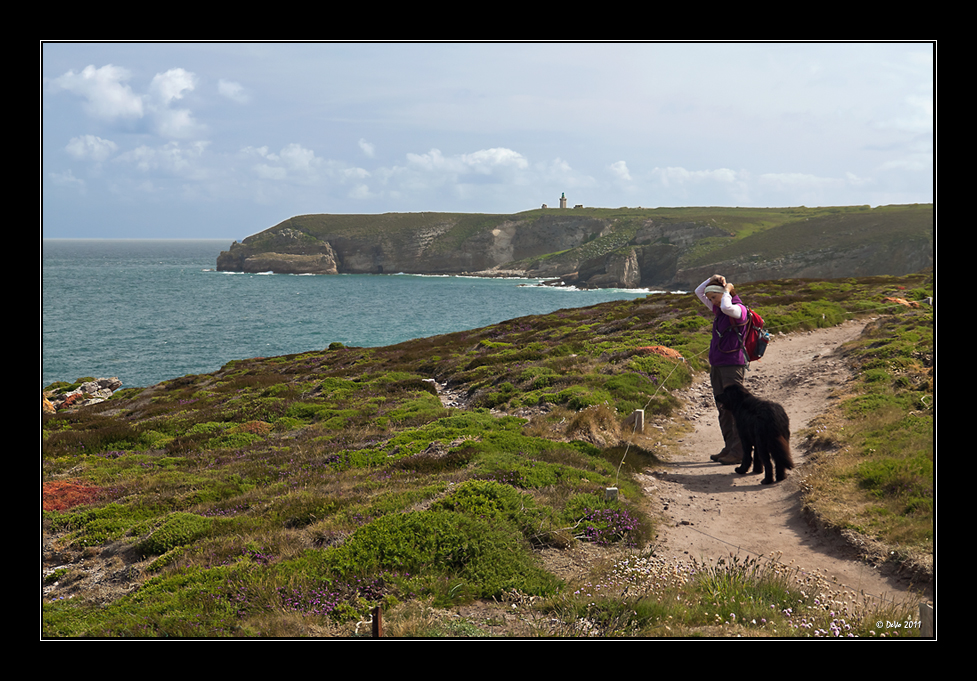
(223, 140)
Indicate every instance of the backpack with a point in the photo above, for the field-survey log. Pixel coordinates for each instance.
(753, 338)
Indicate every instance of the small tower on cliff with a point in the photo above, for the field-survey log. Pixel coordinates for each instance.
(563, 200)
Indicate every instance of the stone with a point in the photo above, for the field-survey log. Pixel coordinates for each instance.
(89, 392)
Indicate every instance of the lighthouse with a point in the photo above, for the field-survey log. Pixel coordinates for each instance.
(563, 200)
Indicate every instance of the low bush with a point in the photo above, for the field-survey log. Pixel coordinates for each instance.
(487, 557)
(177, 529)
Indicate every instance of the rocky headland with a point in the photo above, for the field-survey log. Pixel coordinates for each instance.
(601, 248)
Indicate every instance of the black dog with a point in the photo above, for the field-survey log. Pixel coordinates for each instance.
(763, 426)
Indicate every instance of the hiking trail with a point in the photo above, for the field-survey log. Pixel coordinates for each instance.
(709, 511)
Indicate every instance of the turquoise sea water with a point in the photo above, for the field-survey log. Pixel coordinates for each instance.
(150, 310)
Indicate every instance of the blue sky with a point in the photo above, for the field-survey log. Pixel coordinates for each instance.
(222, 140)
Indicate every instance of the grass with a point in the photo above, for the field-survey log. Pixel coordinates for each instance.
(873, 471)
(639, 594)
(288, 496)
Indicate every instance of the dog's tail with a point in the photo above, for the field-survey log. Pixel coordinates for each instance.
(781, 452)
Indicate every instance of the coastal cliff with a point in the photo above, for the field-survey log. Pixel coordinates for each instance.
(601, 248)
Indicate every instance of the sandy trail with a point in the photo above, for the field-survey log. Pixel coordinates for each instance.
(711, 512)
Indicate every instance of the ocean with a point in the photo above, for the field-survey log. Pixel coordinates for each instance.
(150, 310)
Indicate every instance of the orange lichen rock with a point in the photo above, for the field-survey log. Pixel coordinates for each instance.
(660, 350)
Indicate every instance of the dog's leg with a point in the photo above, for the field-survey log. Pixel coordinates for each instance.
(748, 447)
(762, 454)
(782, 456)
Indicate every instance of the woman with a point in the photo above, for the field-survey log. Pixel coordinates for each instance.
(726, 356)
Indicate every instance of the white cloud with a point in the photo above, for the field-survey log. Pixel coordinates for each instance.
(267, 172)
(354, 173)
(914, 116)
(105, 90)
(176, 123)
(678, 175)
(233, 91)
(299, 159)
(174, 84)
(556, 169)
(90, 147)
(259, 151)
(110, 98)
(368, 148)
(856, 181)
(434, 160)
(718, 186)
(171, 158)
(67, 179)
(484, 161)
(920, 162)
(360, 192)
(166, 88)
(789, 181)
(620, 169)
(293, 162)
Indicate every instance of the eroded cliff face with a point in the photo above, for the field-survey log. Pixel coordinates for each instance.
(292, 263)
(436, 248)
(649, 258)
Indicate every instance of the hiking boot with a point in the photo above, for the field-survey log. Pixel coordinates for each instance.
(717, 457)
(728, 459)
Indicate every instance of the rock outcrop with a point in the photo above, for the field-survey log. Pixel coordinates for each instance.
(89, 392)
(619, 269)
(649, 259)
(293, 263)
(284, 250)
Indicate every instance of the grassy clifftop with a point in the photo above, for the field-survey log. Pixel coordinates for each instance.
(826, 228)
(289, 495)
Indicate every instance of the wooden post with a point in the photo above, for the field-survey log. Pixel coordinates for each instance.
(377, 622)
(637, 419)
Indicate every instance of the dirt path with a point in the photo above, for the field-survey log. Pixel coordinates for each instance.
(711, 512)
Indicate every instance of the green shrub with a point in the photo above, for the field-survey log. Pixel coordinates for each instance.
(98, 525)
(505, 393)
(492, 501)
(490, 559)
(177, 529)
(629, 391)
